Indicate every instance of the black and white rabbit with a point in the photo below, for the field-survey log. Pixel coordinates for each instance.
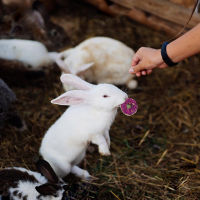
(88, 119)
(21, 184)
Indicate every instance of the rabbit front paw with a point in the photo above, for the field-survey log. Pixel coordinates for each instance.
(103, 150)
(107, 138)
(102, 144)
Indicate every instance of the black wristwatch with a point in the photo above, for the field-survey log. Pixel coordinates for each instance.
(164, 55)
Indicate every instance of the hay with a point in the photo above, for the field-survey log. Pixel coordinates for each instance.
(155, 153)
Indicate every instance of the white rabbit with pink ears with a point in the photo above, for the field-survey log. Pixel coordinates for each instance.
(88, 119)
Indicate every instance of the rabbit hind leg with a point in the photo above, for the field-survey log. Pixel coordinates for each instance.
(58, 163)
(81, 173)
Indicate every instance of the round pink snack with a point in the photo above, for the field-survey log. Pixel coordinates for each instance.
(129, 107)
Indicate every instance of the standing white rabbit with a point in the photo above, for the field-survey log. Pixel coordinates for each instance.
(88, 119)
(99, 60)
(28, 52)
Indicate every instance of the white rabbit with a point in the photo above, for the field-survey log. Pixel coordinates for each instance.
(100, 60)
(88, 119)
(28, 52)
(18, 183)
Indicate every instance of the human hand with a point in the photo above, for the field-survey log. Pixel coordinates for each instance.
(145, 60)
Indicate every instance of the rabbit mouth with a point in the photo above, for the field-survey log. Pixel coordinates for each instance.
(118, 106)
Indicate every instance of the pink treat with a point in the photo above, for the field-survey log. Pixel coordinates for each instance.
(129, 107)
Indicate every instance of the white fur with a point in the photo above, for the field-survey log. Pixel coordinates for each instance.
(28, 52)
(41, 179)
(27, 188)
(88, 119)
(100, 60)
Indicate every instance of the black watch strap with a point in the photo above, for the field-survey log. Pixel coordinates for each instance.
(164, 55)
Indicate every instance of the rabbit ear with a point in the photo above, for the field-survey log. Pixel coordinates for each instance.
(84, 67)
(46, 170)
(76, 82)
(72, 97)
(47, 189)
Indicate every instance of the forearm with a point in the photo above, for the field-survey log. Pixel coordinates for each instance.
(146, 59)
(185, 46)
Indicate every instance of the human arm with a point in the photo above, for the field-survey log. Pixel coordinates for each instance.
(146, 59)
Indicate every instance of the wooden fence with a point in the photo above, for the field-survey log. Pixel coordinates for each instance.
(169, 16)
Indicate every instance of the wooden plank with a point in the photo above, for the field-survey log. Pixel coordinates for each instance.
(151, 21)
(163, 9)
(100, 4)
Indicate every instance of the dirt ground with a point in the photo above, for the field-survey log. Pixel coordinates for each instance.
(155, 153)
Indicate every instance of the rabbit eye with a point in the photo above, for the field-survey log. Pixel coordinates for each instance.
(62, 58)
(105, 96)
